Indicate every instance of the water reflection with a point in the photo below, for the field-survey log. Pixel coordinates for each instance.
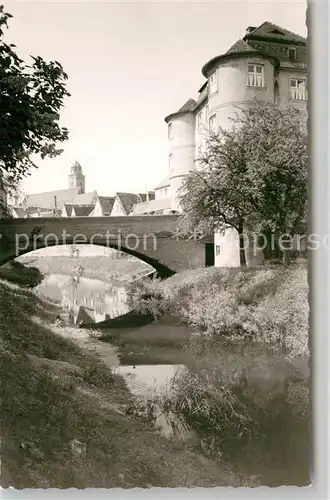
(92, 301)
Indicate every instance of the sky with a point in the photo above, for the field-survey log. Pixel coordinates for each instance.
(130, 64)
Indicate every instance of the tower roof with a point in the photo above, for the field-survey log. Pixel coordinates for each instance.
(188, 107)
(76, 168)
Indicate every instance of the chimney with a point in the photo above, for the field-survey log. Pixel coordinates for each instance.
(249, 29)
(55, 205)
(147, 192)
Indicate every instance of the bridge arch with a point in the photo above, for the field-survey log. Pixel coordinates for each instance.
(162, 271)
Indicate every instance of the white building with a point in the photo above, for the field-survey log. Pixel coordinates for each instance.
(269, 63)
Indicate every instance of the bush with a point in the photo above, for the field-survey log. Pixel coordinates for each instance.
(268, 305)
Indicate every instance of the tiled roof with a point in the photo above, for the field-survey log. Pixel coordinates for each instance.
(240, 46)
(20, 211)
(188, 106)
(156, 206)
(47, 200)
(280, 52)
(268, 40)
(85, 198)
(165, 183)
(68, 208)
(272, 31)
(82, 211)
(128, 200)
(106, 203)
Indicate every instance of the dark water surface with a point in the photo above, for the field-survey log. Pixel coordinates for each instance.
(152, 355)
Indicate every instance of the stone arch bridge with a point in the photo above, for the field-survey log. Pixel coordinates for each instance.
(153, 239)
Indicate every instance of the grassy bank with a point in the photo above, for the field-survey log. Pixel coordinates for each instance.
(247, 390)
(63, 414)
(267, 305)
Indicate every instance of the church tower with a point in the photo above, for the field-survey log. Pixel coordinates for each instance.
(77, 178)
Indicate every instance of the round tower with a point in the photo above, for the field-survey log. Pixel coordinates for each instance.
(77, 178)
(238, 77)
(181, 137)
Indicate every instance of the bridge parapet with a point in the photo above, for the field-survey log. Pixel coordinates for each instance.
(154, 239)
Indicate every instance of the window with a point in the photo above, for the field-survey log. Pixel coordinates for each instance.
(170, 161)
(213, 83)
(206, 113)
(165, 192)
(298, 89)
(200, 151)
(170, 131)
(292, 53)
(217, 250)
(256, 75)
(212, 123)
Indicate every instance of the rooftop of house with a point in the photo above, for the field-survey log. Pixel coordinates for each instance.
(48, 199)
(82, 211)
(130, 199)
(268, 40)
(106, 203)
(85, 198)
(151, 207)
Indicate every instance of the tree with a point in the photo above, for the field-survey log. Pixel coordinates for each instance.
(252, 175)
(30, 99)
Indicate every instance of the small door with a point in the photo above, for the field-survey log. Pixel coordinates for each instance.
(209, 254)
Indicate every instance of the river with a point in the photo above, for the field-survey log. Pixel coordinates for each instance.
(152, 356)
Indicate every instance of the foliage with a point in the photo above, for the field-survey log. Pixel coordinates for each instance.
(252, 175)
(267, 305)
(31, 96)
(24, 276)
(57, 394)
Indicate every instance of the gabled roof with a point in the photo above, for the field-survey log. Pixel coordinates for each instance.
(82, 211)
(47, 200)
(272, 31)
(128, 200)
(165, 183)
(85, 198)
(68, 208)
(106, 204)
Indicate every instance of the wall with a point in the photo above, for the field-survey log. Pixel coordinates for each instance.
(154, 240)
(233, 90)
(229, 250)
(283, 80)
(201, 129)
(182, 152)
(97, 212)
(117, 209)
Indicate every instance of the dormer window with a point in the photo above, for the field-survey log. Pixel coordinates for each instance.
(213, 83)
(292, 53)
(256, 75)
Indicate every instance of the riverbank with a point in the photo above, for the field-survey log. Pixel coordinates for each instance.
(247, 389)
(63, 413)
